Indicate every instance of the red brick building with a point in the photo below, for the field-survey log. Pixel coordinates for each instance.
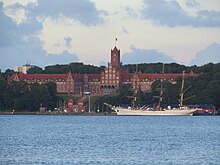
(98, 84)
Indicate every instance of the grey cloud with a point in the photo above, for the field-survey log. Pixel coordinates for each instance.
(34, 53)
(82, 10)
(130, 12)
(68, 41)
(19, 44)
(125, 30)
(62, 58)
(102, 63)
(31, 25)
(12, 33)
(192, 3)
(170, 13)
(21, 53)
(145, 56)
(8, 30)
(210, 54)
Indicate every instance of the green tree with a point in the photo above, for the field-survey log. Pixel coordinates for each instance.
(35, 70)
(3, 93)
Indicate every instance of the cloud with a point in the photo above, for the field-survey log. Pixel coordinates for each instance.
(130, 12)
(192, 3)
(19, 42)
(125, 30)
(145, 56)
(68, 41)
(102, 63)
(209, 54)
(15, 34)
(170, 13)
(8, 30)
(63, 58)
(21, 53)
(33, 53)
(30, 24)
(81, 10)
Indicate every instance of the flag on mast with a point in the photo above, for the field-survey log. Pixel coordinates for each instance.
(116, 39)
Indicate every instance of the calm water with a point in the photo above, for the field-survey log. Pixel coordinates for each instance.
(109, 140)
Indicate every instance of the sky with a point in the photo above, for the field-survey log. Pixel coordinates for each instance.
(48, 32)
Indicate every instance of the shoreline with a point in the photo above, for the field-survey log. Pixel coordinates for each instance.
(59, 114)
(77, 114)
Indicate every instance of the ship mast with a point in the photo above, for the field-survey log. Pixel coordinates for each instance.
(161, 89)
(136, 86)
(181, 91)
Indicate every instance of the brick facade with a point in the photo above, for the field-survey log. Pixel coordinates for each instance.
(98, 84)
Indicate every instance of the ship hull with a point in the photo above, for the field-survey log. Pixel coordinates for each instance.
(138, 112)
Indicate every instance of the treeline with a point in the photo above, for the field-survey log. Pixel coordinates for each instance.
(172, 68)
(62, 69)
(21, 96)
(80, 68)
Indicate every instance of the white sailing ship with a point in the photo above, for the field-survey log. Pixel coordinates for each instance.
(180, 111)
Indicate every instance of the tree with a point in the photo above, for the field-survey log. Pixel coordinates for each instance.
(7, 73)
(3, 93)
(35, 70)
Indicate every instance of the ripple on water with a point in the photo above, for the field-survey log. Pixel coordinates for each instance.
(109, 140)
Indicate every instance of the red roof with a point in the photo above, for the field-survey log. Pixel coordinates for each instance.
(42, 76)
(141, 76)
(92, 77)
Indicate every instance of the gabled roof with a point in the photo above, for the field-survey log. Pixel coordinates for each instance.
(33, 77)
(43, 77)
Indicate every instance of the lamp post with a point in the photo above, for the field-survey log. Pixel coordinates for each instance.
(88, 94)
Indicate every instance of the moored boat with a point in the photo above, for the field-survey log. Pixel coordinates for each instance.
(158, 111)
(183, 111)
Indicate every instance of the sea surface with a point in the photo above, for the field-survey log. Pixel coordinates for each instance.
(36, 139)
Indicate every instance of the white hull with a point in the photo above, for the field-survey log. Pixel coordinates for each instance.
(140, 112)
